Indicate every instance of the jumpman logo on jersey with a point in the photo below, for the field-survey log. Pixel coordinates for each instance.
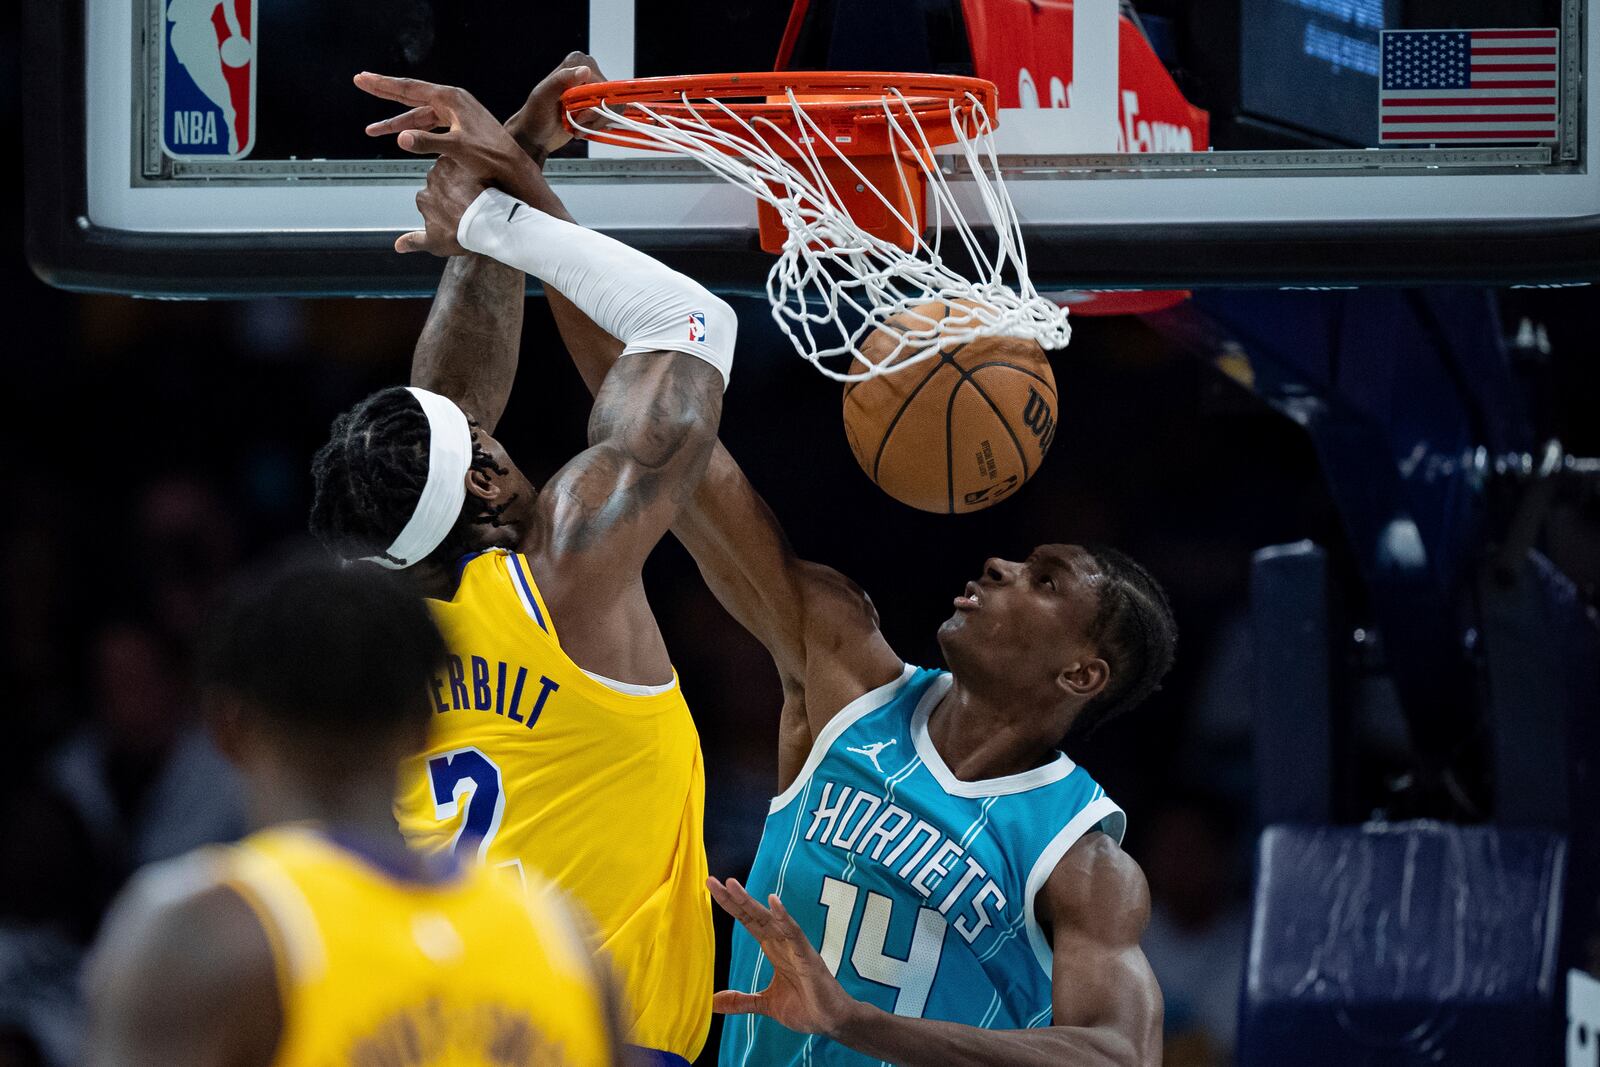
(872, 750)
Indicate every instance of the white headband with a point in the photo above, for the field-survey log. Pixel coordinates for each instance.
(449, 459)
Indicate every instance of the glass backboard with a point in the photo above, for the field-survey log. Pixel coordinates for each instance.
(214, 147)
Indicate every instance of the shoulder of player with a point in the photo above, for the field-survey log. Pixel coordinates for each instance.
(1098, 889)
(652, 427)
(180, 948)
(841, 622)
(654, 408)
(823, 586)
(843, 656)
(178, 901)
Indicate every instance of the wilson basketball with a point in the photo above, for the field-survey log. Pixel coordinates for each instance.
(957, 433)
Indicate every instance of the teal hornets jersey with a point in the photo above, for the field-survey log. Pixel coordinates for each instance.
(916, 887)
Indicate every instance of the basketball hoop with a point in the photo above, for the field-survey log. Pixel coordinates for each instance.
(842, 165)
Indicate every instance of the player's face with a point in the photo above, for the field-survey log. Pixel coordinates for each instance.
(1026, 621)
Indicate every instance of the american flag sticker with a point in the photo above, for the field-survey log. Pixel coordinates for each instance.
(697, 326)
(1469, 86)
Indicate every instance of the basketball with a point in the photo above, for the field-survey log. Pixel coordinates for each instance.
(957, 433)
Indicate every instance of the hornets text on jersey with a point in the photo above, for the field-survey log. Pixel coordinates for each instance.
(533, 764)
(373, 967)
(916, 887)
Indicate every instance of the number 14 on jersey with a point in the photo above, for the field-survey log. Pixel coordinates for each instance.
(912, 976)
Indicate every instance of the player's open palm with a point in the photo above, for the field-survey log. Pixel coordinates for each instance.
(803, 995)
(474, 149)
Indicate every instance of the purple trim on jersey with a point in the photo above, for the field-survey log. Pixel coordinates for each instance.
(396, 862)
(527, 587)
(650, 1057)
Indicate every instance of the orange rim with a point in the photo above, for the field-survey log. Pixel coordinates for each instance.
(851, 114)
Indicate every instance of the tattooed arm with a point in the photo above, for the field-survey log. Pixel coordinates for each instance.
(819, 626)
(656, 416)
(468, 348)
(650, 434)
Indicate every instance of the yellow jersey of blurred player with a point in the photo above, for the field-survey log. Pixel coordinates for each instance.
(561, 741)
(323, 938)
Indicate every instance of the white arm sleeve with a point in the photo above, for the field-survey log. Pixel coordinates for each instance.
(645, 304)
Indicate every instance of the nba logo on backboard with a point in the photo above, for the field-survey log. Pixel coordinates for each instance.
(697, 325)
(208, 78)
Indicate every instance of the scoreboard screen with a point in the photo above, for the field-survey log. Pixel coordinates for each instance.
(1313, 65)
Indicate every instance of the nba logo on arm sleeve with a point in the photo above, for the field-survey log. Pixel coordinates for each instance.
(697, 325)
(208, 78)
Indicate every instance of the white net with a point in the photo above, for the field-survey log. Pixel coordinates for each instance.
(834, 285)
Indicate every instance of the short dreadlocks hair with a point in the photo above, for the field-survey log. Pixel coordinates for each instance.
(323, 652)
(1136, 635)
(369, 477)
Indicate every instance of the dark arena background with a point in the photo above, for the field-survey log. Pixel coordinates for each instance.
(1367, 798)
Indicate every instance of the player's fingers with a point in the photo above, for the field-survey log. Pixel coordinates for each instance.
(583, 121)
(589, 120)
(749, 903)
(401, 90)
(782, 922)
(571, 79)
(418, 118)
(725, 897)
(731, 898)
(579, 68)
(580, 61)
(720, 894)
(426, 143)
(729, 1002)
(415, 241)
(577, 75)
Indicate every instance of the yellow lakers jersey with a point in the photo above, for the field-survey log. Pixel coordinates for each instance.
(534, 765)
(375, 968)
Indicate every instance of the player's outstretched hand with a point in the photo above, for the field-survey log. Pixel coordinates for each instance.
(474, 149)
(803, 995)
(537, 125)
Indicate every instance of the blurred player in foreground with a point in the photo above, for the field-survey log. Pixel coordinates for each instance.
(952, 887)
(323, 938)
(561, 740)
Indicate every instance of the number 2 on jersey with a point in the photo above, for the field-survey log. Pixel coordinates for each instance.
(468, 773)
(912, 976)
